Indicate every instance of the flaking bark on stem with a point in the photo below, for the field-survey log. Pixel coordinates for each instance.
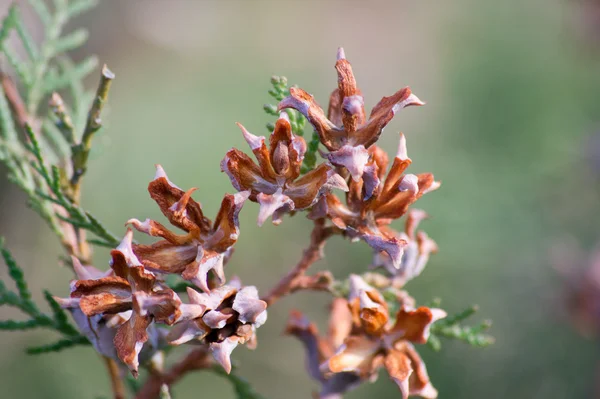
(294, 279)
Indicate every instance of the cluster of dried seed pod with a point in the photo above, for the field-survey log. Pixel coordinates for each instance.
(130, 312)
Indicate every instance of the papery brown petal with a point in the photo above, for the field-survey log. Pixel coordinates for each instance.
(338, 213)
(334, 110)
(186, 331)
(353, 158)
(355, 355)
(245, 174)
(354, 196)
(213, 299)
(248, 304)
(382, 114)
(353, 111)
(127, 266)
(413, 325)
(419, 383)
(401, 162)
(374, 316)
(371, 181)
(215, 319)
(270, 203)
(197, 271)
(426, 183)
(357, 285)
(186, 215)
(114, 285)
(165, 257)
(226, 227)
(221, 351)
(380, 157)
(340, 322)
(104, 303)
(123, 256)
(305, 190)
(87, 272)
(395, 204)
(286, 150)
(155, 229)
(259, 148)
(304, 103)
(162, 305)
(393, 246)
(398, 366)
(130, 339)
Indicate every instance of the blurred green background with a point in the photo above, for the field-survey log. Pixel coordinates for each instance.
(513, 111)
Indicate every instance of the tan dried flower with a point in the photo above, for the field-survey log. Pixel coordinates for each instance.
(206, 246)
(346, 132)
(275, 183)
(365, 339)
(225, 318)
(375, 200)
(129, 288)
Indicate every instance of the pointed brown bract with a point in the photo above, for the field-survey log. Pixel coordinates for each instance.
(203, 248)
(346, 132)
(275, 183)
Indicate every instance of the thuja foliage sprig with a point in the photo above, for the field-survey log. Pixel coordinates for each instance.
(55, 193)
(451, 327)
(21, 299)
(48, 165)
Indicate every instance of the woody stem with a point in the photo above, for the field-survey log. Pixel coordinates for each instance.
(115, 379)
(312, 254)
(197, 359)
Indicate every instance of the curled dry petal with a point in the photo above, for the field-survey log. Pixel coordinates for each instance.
(355, 355)
(221, 351)
(353, 158)
(175, 204)
(248, 305)
(393, 246)
(269, 203)
(305, 190)
(304, 103)
(382, 114)
(413, 325)
(419, 383)
(130, 339)
(373, 315)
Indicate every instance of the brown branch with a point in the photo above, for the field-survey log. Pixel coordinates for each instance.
(14, 99)
(115, 379)
(296, 279)
(197, 359)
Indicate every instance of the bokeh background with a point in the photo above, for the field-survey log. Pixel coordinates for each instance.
(510, 128)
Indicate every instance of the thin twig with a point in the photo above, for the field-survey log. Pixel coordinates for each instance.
(115, 379)
(14, 99)
(81, 151)
(197, 359)
(294, 280)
